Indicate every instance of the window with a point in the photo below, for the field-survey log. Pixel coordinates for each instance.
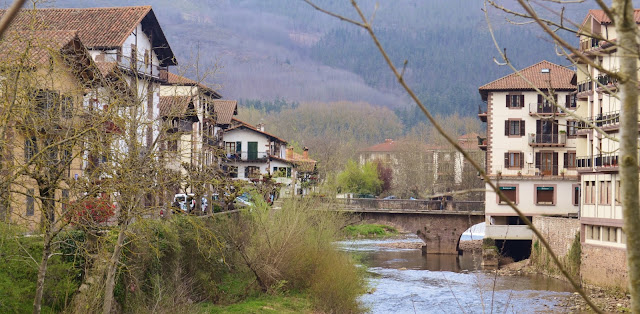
(66, 107)
(570, 160)
(510, 192)
(30, 148)
(572, 128)
(252, 172)
(514, 128)
(605, 192)
(545, 195)
(233, 171)
(593, 232)
(230, 147)
(576, 194)
(514, 160)
(590, 192)
(282, 171)
(570, 102)
(515, 101)
(172, 145)
(618, 195)
(30, 202)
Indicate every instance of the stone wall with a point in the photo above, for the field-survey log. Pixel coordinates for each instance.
(604, 266)
(563, 237)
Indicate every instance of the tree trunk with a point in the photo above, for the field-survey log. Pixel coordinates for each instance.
(42, 272)
(112, 270)
(628, 50)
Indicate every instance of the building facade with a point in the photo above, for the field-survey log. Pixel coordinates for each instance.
(531, 148)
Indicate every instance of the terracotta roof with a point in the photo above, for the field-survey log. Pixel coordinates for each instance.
(99, 27)
(39, 43)
(303, 164)
(175, 79)
(241, 124)
(559, 77)
(603, 18)
(174, 106)
(467, 141)
(225, 110)
(106, 68)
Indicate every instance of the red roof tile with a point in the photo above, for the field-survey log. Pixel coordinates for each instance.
(603, 18)
(559, 77)
(39, 43)
(241, 124)
(225, 110)
(98, 27)
(174, 106)
(175, 79)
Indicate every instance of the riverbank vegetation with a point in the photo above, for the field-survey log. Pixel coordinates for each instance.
(370, 231)
(260, 260)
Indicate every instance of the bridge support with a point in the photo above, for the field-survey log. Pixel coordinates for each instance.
(440, 230)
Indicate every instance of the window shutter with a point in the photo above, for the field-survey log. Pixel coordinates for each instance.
(521, 101)
(539, 99)
(555, 164)
(538, 126)
(566, 160)
(238, 147)
(506, 160)
(521, 160)
(538, 161)
(508, 101)
(506, 127)
(522, 128)
(568, 101)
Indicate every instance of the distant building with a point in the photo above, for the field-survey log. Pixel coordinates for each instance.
(531, 151)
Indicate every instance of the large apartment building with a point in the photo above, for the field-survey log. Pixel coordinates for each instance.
(597, 154)
(531, 148)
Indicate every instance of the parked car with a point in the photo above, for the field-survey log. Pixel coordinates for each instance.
(244, 200)
(186, 202)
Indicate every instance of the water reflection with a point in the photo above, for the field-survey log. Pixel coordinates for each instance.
(405, 281)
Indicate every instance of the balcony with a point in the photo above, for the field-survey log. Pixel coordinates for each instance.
(589, 44)
(547, 140)
(482, 114)
(250, 156)
(482, 143)
(608, 122)
(606, 81)
(136, 66)
(601, 162)
(585, 88)
(545, 109)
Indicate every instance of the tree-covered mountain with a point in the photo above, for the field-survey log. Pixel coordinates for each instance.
(284, 49)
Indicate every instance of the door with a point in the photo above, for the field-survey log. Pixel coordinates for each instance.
(547, 162)
(253, 150)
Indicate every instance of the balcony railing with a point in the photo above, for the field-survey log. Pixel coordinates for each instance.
(585, 86)
(137, 66)
(607, 80)
(544, 109)
(247, 156)
(609, 160)
(548, 139)
(589, 43)
(602, 120)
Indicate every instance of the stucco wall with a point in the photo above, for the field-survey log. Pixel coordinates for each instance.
(604, 266)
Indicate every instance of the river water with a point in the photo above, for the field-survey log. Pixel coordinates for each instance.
(404, 281)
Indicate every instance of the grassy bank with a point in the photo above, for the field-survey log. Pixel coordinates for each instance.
(369, 231)
(290, 303)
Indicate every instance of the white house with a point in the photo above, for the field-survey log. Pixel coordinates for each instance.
(531, 150)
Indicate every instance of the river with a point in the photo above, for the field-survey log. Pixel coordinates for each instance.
(404, 281)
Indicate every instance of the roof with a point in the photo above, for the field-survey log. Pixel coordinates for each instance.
(303, 164)
(175, 79)
(244, 125)
(468, 141)
(99, 27)
(39, 43)
(225, 110)
(174, 106)
(559, 77)
(601, 17)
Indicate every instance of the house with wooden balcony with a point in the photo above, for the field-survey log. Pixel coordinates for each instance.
(597, 160)
(531, 149)
(253, 154)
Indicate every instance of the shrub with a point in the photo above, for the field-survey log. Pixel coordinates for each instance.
(90, 212)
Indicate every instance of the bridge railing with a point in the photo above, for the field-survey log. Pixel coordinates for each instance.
(409, 205)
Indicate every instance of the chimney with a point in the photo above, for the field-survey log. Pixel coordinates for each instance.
(388, 140)
(260, 127)
(289, 153)
(305, 154)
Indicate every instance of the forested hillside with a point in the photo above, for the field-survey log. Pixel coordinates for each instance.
(286, 50)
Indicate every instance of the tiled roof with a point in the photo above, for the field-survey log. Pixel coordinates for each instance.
(225, 110)
(106, 68)
(603, 18)
(241, 124)
(174, 106)
(175, 79)
(559, 77)
(303, 164)
(468, 142)
(98, 27)
(15, 44)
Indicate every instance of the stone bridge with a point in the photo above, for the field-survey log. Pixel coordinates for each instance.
(439, 224)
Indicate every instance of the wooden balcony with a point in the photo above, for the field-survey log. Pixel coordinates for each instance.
(547, 140)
